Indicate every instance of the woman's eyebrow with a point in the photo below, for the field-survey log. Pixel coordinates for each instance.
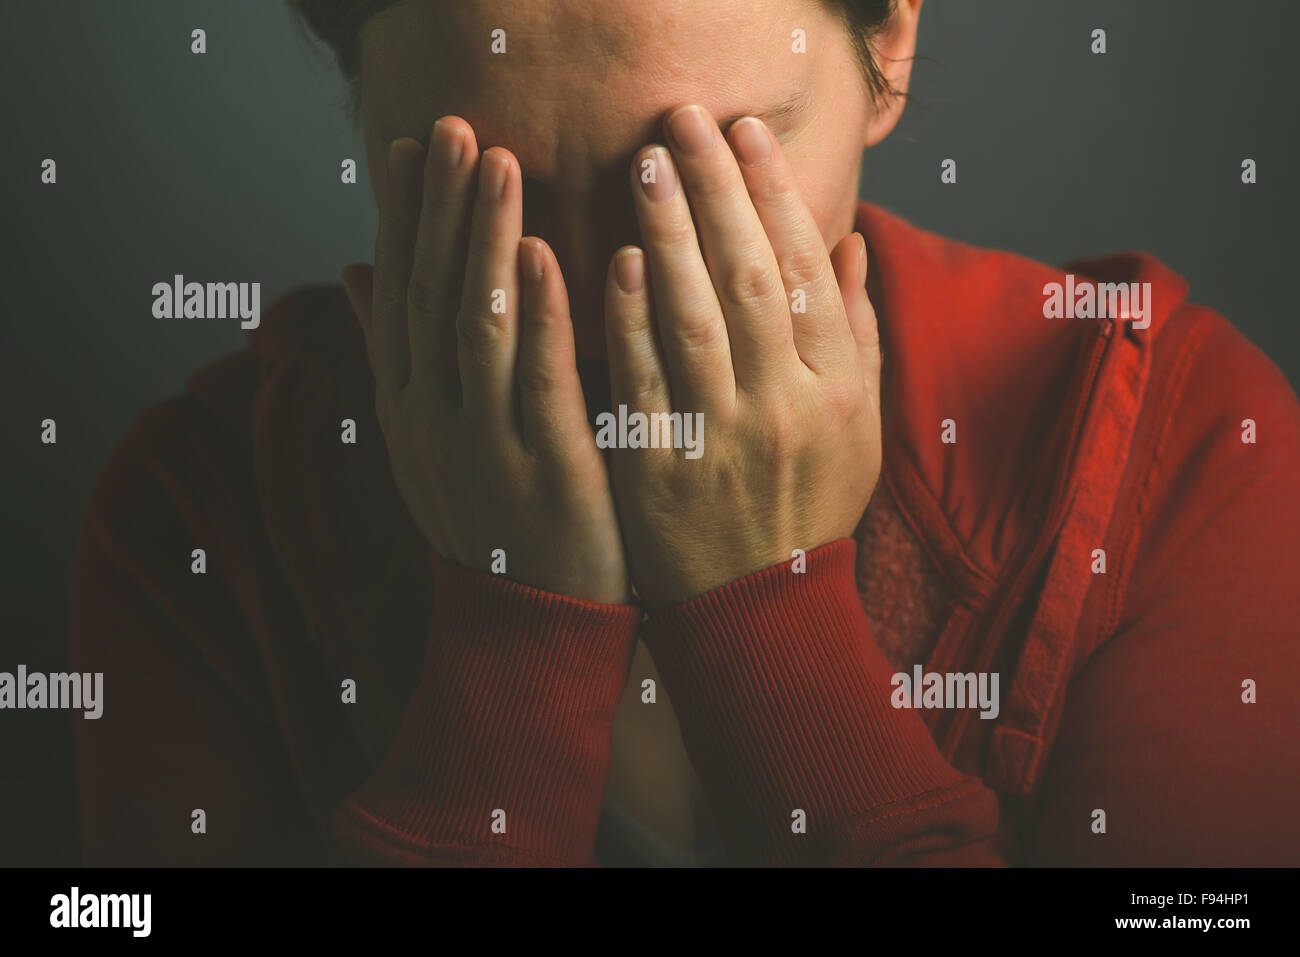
(792, 105)
(795, 103)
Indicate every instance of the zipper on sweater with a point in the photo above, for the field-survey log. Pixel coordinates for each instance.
(1032, 551)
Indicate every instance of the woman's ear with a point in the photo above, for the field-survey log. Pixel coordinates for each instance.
(895, 46)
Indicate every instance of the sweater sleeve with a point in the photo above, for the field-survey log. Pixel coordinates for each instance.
(783, 697)
(505, 747)
(191, 762)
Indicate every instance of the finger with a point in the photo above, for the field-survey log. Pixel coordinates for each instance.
(849, 260)
(819, 335)
(551, 406)
(433, 293)
(487, 321)
(739, 257)
(394, 248)
(689, 318)
(636, 371)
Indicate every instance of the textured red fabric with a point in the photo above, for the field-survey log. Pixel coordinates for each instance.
(904, 597)
(1121, 691)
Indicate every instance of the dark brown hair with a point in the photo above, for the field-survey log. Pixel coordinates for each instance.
(337, 24)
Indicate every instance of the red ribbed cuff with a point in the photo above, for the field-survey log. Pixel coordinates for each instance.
(513, 715)
(783, 698)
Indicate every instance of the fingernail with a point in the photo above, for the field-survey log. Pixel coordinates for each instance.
(749, 136)
(658, 178)
(629, 270)
(492, 176)
(450, 144)
(862, 256)
(533, 263)
(691, 129)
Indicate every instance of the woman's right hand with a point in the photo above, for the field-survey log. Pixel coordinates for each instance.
(468, 333)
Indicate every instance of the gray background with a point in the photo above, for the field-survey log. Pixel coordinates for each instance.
(226, 166)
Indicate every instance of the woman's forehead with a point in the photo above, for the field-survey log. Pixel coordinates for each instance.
(590, 79)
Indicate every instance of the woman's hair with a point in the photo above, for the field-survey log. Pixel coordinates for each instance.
(337, 23)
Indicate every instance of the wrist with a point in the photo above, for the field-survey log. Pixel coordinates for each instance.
(604, 589)
(684, 584)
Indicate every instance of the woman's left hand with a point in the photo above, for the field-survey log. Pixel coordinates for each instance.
(752, 325)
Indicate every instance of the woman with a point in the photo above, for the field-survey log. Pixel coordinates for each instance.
(952, 580)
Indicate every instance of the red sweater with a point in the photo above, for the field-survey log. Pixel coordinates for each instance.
(1121, 691)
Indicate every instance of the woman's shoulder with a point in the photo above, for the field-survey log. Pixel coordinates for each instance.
(974, 324)
(195, 450)
(1219, 443)
(313, 319)
(999, 348)
(311, 323)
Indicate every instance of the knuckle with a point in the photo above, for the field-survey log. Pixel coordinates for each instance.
(647, 390)
(538, 377)
(843, 398)
(750, 283)
(482, 242)
(775, 189)
(442, 200)
(805, 267)
(389, 297)
(479, 333)
(696, 335)
(671, 232)
(423, 297)
(711, 184)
